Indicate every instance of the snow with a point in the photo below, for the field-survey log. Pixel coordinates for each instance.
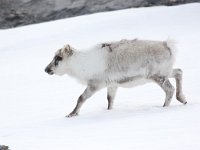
(33, 104)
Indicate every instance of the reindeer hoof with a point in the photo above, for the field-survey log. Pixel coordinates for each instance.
(181, 98)
(72, 115)
(165, 105)
(109, 108)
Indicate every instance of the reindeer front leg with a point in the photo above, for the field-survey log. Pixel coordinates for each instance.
(89, 91)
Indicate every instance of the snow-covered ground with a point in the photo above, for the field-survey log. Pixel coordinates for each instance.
(33, 104)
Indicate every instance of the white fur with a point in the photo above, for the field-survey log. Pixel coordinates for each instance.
(124, 63)
(136, 58)
(86, 65)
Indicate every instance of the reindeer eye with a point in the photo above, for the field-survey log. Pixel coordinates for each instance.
(57, 59)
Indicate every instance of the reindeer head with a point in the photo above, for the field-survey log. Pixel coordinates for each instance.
(58, 64)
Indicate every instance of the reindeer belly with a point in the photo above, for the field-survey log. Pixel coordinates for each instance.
(129, 82)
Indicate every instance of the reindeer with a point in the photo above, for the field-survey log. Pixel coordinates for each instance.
(124, 63)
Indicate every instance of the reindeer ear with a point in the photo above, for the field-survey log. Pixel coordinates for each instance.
(68, 50)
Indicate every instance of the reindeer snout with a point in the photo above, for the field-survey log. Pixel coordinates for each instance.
(48, 70)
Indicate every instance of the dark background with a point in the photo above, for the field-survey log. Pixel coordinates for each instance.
(14, 13)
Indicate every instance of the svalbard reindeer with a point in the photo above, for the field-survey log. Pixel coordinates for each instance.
(124, 63)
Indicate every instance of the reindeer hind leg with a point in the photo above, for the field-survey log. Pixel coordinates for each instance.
(164, 83)
(178, 75)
